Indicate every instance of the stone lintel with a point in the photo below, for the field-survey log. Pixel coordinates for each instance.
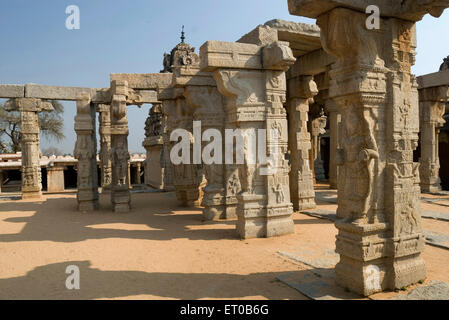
(192, 76)
(12, 91)
(144, 81)
(28, 105)
(64, 93)
(218, 54)
(412, 10)
(435, 79)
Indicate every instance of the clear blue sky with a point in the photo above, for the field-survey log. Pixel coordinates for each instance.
(131, 37)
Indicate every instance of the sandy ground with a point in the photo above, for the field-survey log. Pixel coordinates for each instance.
(158, 251)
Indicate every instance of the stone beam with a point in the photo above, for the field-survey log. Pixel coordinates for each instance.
(435, 79)
(406, 10)
(12, 91)
(144, 81)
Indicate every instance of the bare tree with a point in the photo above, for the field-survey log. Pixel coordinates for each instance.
(51, 125)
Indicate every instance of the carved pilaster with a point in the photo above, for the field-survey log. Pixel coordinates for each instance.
(86, 152)
(29, 139)
(301, 92)
(432, 102)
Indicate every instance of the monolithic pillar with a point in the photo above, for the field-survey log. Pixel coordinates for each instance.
(153, 144)
(120, 194)
(380, 238)
(301, 91)
(252, 79)
(104, 111)
(29, 130)
(432, 102)
(334, 121)
(86, 154)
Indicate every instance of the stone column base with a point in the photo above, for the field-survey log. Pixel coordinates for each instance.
(121, 199)
(29, 195)
(305, 203)
(257, 221)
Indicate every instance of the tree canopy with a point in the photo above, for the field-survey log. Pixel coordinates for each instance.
(51, 125)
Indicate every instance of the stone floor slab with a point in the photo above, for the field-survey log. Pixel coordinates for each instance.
(435, 290)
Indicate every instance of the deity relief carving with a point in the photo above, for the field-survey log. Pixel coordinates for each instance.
(121, 158)
(359, 150)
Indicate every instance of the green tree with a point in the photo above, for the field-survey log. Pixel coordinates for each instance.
(51, 125)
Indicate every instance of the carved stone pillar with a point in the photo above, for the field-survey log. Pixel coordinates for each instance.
(208, 105)
(29, 130)
(120, 194)
(206, 102)
(432, 103)
(380, 237)
(301, 91)
(153, 144)
(252, 78)
(188, 179)
(1, 180)
(317, 126)
(334, 121)
(86, 153)
(104, 111)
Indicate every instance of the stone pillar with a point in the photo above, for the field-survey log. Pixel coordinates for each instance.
(380, 237)
(29, 129)
(86, 153)
(252, 78)
(334, 120)
(208, 107)
(55, 178)
(317, 129)
(301, 91)
(104, 111)
(137, 176)
(120, 194)
(188, 179)
(432, 103)
(153, 144)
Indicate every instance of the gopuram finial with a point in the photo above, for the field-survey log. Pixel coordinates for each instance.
(182, 35)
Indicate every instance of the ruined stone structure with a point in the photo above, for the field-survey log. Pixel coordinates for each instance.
(269, 91)
(380, 238)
